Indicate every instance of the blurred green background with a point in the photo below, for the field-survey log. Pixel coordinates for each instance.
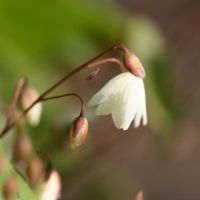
(44, 40)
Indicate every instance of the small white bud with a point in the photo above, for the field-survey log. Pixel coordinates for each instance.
(51, 189)
(28, 97)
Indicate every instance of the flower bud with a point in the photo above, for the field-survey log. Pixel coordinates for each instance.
(2, 164)
(51, 189)
(35, 172)
(23, 148)
(28, 97)
(78, 131)
(10, 188)
(133, 65)
(139, 195)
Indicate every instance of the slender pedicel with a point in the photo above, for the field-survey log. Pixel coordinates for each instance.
(82, 112)
(106, 60)
(100, 62)
(16, 95)
(115, 46)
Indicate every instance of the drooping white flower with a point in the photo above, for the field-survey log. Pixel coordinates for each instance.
(124, 98)
(51, 190)
(28, 97)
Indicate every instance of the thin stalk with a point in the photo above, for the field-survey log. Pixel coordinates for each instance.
(106, 60)
(115, 46)
(82, 113)
(16, 95)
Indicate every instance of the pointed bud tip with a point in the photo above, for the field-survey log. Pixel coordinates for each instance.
(140, 72)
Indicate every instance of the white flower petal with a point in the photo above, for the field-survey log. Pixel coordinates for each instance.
(137, 119)
(144, 115)
(117, 114)
(142, 106)
(123, 101)
(129, 105)
(105, 107)
(107, 90)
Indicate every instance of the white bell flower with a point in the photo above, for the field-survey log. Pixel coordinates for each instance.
(124, 98)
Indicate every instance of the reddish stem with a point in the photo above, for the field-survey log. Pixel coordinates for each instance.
(115, 46)
(106, 60)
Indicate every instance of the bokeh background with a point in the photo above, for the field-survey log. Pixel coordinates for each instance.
(44, 40)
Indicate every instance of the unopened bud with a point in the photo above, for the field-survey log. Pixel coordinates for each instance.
(133, 65)
(2, 163)
(23, 148)
(139, 195)
(10, 188)
(78, 131)
(51, 189)
(28, 97)
(35, 172)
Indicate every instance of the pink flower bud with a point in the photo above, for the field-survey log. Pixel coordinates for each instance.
(133, 65)
(10, 188)
(22, 148)
(35, 172)
(28, 97)
(78, 131)
(2, 163)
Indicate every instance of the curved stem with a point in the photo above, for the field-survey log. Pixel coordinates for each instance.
(121, 47)
(81, 67)
(106, 60)
(82, 113)
(115, 46)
